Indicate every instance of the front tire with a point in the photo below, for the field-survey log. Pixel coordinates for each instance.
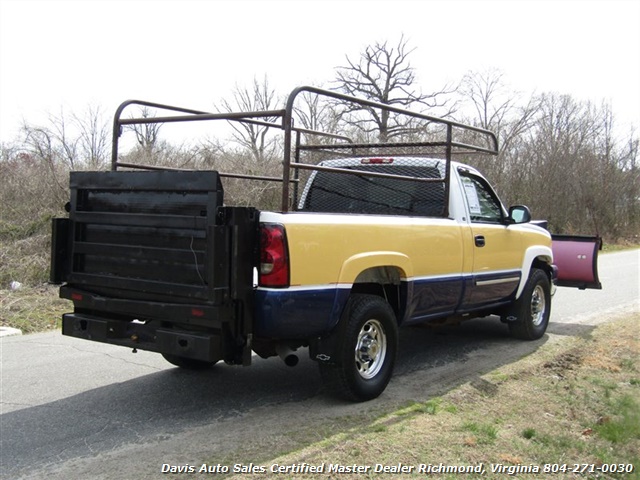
(528, 317)
(367, 352)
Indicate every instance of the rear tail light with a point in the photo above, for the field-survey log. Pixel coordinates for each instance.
(274, 257)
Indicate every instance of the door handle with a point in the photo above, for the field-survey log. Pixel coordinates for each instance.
(479, 239)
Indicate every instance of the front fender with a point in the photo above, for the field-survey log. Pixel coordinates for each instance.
(536, 252)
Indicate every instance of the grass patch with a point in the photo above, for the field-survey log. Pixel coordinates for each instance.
(26, 260)
(623, 423)
(32, 309)
(482, 434)
(430, 407)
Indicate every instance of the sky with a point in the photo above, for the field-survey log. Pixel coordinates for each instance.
(65, 56)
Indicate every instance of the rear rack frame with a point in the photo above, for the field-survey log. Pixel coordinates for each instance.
(284, 120)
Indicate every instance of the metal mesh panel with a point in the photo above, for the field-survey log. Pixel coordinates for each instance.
(334, 192)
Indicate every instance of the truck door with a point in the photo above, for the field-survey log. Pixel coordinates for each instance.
(497, 249)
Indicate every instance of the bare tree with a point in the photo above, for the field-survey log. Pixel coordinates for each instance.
(494, 106)
(54, 142)
(570, 168)
(311, 112)
(631, 193)
(497, 107)
(255, 138)
(93, 139)
(71, 140)
(557, 155)
(53, 146)
(147, 134)
(383, 73)
(318, 114)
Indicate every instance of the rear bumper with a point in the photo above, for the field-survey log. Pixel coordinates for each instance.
(195, 331)
(196, 314)
(195, 345)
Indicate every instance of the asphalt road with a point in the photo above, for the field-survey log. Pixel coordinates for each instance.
(74, 409)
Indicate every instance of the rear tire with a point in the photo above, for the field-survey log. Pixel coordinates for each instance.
(367, 352)
(528, 317)
(187, 363)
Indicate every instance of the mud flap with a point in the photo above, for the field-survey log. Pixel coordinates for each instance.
(326, 349)
(576, 260)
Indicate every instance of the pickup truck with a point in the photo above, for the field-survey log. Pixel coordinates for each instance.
(381, 236)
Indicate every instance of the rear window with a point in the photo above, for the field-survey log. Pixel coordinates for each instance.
(360, 194)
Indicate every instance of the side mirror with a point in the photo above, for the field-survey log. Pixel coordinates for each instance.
(519, 214)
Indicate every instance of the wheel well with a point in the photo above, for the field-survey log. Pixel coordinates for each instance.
(386, 282)
(542, 264)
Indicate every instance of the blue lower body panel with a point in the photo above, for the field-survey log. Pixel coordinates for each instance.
(434, 297)
(303, 313)
(298, 313)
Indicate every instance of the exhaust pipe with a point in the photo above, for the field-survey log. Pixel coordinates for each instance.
(289, 356)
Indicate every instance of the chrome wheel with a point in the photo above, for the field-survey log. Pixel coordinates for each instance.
(371, 349)
(364, 351)
(538, 306)
(528, 316)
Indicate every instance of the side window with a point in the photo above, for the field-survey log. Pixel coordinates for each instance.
(484, 207)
